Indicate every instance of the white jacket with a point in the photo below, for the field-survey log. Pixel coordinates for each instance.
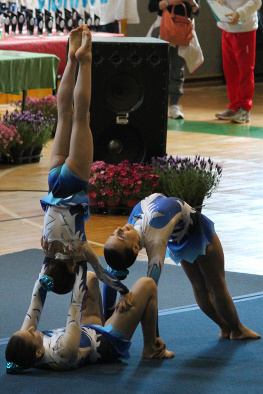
(247, 10)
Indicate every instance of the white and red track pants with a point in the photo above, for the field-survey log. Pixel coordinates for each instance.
(238, 50)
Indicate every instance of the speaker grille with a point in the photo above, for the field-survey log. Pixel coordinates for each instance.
(123, 92)
(119, 143)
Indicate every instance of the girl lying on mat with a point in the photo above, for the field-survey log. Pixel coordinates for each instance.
(66, 205)
(86, 339)
(159, 223)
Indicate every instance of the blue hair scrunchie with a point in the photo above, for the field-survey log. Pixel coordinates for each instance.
(120, 274)
(13, 368)
(47, 282)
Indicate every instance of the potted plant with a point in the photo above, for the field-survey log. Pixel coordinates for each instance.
(9, 137)
(191, 180)
(47, 105)
(34, 130)
(120, 185)
(98, 185)
(137, 182)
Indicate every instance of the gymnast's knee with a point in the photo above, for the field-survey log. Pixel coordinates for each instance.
(147, 284)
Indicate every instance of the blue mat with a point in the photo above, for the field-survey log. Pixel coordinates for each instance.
(203, 363)
(18, 272)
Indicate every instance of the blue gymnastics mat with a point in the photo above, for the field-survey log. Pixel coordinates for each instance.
(203, 363)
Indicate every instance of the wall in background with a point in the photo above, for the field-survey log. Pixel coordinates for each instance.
(209, 36)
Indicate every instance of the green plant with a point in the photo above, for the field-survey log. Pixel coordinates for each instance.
(188, 179)
(34, 129)
(47, 105)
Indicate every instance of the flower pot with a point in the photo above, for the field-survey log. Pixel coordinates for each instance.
(131, 203)
(36, 154)
(37, 150)
(27, 156)
(16, 155)
(113, 203)
(92, 202)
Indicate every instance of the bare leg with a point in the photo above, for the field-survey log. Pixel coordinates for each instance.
(144, 310)
(80, 156)
(92, 307)
(212, 268)
(60, 149)
(203, 297)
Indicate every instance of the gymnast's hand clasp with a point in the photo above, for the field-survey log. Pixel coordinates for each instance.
(47, 248)
(76, 250)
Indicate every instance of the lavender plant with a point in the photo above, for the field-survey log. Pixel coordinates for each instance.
(47, 105)
(34, 128)
(191, 180)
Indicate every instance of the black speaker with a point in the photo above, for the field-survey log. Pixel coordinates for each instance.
(129, 98)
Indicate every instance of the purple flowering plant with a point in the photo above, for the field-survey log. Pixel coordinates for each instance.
(34, 128)
(47, 105)
(191, 180)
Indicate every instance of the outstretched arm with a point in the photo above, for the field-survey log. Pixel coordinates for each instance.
(37, 303)
(68, 346)
(85, 252)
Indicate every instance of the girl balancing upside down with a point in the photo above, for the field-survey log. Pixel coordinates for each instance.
(66, 205)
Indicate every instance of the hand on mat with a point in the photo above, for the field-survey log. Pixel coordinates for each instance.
(124, 303)
(47, 248)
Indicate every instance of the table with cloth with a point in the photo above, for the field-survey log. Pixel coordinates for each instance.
(21, 71)
(53, 44)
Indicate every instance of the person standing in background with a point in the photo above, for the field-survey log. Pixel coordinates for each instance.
(239, 53)
(177, 63)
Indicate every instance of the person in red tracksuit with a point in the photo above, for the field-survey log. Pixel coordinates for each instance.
(239, 52)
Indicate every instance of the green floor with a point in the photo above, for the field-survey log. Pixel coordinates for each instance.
(214, 128)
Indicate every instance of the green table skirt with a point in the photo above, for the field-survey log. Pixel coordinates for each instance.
(27, 70)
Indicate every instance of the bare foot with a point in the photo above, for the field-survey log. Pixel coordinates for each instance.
(224, 333)
(244, 333)
(163, 354)
(157, 350)
(84, 52)
(75, 38)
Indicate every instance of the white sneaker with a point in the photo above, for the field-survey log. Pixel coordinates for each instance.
(242, 116)
(175, 112)
(226, 115)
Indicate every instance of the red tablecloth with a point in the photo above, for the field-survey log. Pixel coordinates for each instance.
(55, 45)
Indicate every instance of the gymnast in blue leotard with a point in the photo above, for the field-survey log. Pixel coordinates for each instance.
(163, 224)
(67, 206)
(86, 339)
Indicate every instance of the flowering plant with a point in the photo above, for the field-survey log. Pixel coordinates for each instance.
(47, 105)
(188, 179)
(9, 137)
(121, 182)
(34, 129)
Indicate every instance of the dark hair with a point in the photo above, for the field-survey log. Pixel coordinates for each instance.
(21, 352)
(119, 259)
(62, 278)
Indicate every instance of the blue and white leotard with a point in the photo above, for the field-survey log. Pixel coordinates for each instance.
(168, 222)
(66, 209)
